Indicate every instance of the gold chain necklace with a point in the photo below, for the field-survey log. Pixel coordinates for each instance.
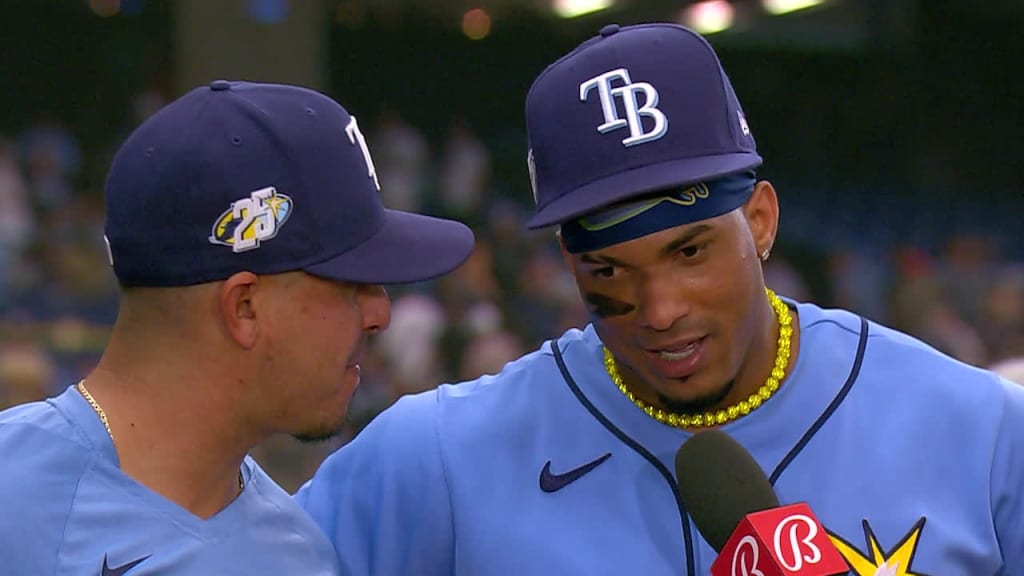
(96, 408)
(106, 423)
(741, 408)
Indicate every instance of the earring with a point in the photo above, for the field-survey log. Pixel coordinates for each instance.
(764, 255)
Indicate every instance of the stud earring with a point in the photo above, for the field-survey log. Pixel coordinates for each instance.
(764, 255)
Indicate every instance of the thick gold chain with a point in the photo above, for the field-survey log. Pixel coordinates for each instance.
(741, 408)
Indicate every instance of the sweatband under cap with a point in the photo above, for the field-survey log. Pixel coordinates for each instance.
(633, 219)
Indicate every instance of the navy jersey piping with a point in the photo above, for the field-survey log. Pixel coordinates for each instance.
(683, 515)
(830, 409)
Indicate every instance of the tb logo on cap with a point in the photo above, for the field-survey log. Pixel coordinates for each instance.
(356, 137)
(634, 111)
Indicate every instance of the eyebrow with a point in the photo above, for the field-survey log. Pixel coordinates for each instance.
(687, 236)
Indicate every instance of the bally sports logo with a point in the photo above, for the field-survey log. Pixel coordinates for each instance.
(801, 548)
(785, 541)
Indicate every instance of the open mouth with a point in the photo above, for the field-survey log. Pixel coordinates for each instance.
(678, 360)
(680, 353)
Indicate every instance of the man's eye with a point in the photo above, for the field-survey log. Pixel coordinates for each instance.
(605, 272)
(693, 250)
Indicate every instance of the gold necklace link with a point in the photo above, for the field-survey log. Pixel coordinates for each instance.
(96, 407)
(741, 408)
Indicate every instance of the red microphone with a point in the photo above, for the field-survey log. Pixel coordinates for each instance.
(736, 510)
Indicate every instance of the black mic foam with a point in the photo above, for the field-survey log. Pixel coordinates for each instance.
(720, 483)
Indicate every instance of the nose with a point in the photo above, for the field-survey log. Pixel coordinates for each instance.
(661, 303)
(375, 305)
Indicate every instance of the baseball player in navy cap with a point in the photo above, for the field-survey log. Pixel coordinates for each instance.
(246, 230)
(641, 156)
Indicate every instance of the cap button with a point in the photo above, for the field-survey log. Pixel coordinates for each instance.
(609, 30)
(219, 85)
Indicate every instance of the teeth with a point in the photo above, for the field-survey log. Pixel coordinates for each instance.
(681, 354)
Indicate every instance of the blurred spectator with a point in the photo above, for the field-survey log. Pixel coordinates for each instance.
(411, 346)
(857, 282)
(1011, 369)
(401, 156)
(465, 173)
(26, 371)
(785, 279)
(52, 158)
(1002, 313)
(966, 270)
(488, 353)
(17, 220)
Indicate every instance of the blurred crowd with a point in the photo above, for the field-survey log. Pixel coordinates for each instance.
(962, 292)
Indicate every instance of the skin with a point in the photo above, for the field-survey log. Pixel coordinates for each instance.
(194, 377)
(701, 280)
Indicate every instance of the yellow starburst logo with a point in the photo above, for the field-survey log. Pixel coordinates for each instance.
(895, 562)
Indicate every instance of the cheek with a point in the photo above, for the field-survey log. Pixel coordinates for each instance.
(338, 329)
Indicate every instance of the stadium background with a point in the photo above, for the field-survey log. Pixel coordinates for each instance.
(891, 128)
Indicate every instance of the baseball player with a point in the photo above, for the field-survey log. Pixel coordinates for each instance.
(641, 156)
(246, 231)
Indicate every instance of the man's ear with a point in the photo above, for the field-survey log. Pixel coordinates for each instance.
(238, 310)
(762, 214)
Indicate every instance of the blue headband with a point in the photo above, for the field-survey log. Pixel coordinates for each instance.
(632, 219)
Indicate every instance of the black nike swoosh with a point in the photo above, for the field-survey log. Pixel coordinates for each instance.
(554, 482)
(122, 569)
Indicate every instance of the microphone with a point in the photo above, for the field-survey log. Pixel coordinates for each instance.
(737, 512)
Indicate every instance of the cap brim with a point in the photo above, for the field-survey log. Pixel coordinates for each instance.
(407, 248)
(630, 183)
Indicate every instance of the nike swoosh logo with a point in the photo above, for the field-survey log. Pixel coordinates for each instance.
(554, 482)
(122, 569)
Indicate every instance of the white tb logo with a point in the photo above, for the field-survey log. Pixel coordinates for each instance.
(255, 214)
(739, 558)
(796, 551)
(634, 111)
(356, 137)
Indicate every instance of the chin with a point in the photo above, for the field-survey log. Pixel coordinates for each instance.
(322, 431)
(318, 435)
(695, 401)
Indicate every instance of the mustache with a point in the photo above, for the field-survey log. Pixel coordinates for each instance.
(604, 306)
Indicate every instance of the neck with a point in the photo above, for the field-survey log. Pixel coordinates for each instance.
(175, 421)
(760, 360)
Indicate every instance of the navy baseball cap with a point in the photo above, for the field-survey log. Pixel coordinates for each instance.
(633, 110)
(265, 178)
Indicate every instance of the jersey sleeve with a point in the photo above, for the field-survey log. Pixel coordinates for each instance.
(383, 498)
(37, 489)
(1008, 478)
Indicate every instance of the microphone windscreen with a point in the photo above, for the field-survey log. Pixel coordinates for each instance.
(720, 483)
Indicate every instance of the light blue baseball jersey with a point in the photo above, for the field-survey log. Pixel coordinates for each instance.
(67, 509)
(912, 461)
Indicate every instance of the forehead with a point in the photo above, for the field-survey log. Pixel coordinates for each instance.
(297, 284)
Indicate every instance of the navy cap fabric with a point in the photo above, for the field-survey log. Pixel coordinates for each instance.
(630, 111)
(265, 178)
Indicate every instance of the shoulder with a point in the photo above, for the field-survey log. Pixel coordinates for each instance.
(409, 437)
(901, 363)
(45, 457)
(279, 506)
(40, 436)
(530, 373)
